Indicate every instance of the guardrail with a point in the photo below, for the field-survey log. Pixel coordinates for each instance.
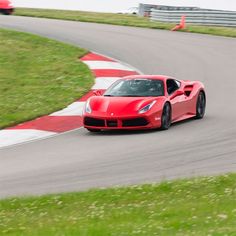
(200, 17)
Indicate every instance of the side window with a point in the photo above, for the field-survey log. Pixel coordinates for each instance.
(172, 85)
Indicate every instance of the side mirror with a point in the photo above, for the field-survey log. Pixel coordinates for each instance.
(98, 92)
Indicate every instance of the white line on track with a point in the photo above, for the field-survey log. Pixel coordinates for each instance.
(11, 137)
(104, 82)
(106, 65)
(74, 109)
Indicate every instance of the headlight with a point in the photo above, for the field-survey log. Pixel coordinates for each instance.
(87, 107)
(146, 108)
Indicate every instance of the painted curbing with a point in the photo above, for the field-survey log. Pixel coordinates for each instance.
(106, 71)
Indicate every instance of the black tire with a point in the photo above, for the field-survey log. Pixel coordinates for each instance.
(166, 117)
(94, 130)
(201, 105)
(6, 12)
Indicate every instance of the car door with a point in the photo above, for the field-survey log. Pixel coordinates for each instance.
(177, 98)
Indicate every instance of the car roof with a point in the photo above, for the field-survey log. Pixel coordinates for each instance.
(157, 77)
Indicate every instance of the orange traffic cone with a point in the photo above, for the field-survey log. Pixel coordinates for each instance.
(182, 24)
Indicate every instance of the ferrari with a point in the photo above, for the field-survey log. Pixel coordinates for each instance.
(144, 102)
(6, 7)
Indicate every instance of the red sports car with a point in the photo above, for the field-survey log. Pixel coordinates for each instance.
(6, 7)
(144, 102)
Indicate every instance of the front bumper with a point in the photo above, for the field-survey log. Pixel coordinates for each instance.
(118, 123)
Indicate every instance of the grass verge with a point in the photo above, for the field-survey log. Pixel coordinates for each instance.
(120, 19)
(201, 206)
(38, 76)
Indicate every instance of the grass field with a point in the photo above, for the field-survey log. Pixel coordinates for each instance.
(38, 76)
(202, 206)
(120, 19)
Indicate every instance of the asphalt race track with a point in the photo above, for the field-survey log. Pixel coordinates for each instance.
(79, 160)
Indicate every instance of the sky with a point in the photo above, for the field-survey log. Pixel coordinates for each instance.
(119, 5)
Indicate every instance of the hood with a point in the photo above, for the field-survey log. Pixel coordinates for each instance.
(119, 105)
(5, 4)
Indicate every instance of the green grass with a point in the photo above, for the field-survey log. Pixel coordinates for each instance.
(120, 19)
(38, 76)
(201, 206)
(83, 16)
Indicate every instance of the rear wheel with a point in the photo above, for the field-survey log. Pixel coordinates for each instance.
(94, 130)
(166, 117)
(7, 12)
(201, 105)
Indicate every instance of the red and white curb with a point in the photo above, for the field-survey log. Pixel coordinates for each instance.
(106, 71)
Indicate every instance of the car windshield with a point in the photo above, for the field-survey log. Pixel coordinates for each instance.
(136, 88)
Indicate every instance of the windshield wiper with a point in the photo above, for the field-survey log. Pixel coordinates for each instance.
(129, 95)
(132, 96)
(108, 95)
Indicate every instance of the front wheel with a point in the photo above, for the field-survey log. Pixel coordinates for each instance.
(201, 105)
(166, 117)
